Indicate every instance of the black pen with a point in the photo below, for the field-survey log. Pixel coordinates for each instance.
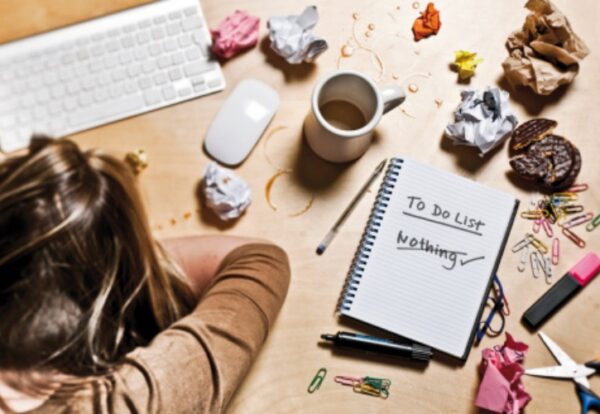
(380, 345)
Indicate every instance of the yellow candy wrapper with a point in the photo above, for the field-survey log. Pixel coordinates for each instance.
(465, 63)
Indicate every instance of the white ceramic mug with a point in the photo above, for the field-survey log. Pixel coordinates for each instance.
(341, 145)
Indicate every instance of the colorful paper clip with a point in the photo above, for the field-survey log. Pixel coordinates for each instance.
(522, 243)
(377, 387)
(572, 209)
(573, 237)
(577, 220)
(538, 244)
(555, 251)
(536, 225)
(578, 188)
(523, 259)
(536, 263)
(593, 224)
(562, 197)
(534, 214)
(316, 382)
(346, 380)
(547, 269)
(547, 228)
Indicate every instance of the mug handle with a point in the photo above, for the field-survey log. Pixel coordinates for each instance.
(392, 97)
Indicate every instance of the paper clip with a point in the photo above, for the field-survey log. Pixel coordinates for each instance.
(379, 383)
(536, 225)
(547, 228)
(577, 188)
(572, 209)
(577, 220)
(593, 224)
(523, 259)
(566, 196)
(553, 215)
(538, 244)
(547, 268)
(536, 264)
(522, 243)
(346, 380)
(573, 237)
(534, 214)
(316, 382)
(555, 251)
(366, 388)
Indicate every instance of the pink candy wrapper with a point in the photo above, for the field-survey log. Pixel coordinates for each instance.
(236, 33)
(501, 389)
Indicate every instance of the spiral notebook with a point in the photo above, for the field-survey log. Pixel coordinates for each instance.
(426, 260)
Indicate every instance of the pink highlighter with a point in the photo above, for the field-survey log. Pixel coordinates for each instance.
(568, 286)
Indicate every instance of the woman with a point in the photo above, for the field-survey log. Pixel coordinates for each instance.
(98, 317)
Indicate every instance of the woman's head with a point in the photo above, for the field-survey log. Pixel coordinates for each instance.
(81, 280)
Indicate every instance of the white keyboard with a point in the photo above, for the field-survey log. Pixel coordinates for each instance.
(104, 70)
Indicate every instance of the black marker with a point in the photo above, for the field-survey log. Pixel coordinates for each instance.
(380, 345)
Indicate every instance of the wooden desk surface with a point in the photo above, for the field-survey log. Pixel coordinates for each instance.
(173, 139)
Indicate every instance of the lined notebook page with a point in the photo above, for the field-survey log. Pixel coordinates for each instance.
(433, 257)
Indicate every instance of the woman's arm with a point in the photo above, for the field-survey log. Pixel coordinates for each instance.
(201, 256)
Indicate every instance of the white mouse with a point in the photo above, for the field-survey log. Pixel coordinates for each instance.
(241, 121)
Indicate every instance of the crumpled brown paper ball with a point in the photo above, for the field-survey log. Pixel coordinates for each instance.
(546, 52)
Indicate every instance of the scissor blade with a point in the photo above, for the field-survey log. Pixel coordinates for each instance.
(561, 356)
(582, 381)
(561, 371)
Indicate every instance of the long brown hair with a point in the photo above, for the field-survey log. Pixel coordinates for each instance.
(82, 282)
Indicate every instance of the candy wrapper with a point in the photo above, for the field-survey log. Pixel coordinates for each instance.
(226, 194)
(235, 34)
(427, 24)
(292, 38)
(465, 63)
(501, 389)
(546, 52)
(482, 120)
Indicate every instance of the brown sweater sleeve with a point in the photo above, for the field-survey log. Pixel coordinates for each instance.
(197, 364)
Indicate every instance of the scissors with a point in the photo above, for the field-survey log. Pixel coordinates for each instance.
(569, 369)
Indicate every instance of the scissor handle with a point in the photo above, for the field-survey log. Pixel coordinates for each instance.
(588, 399)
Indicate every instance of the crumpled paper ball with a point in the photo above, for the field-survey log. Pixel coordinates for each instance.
(482, 119)
(235, 34)
(226, 194)
(292, 38)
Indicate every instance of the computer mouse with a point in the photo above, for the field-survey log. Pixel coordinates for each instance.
(241, 121)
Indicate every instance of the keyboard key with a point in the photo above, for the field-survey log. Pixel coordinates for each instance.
(115, 90)
(152, 97)
(125, 57)
(139, 54)
(154, 49)
(97, 50)
(103, 79)
(142, 38)
(27, 100)
(164, 62)
(69, 104)
(189, 11)
(215, 83)
(108, 109)
(200, 88)
(67, 58)
(114, 32)
(191, 23)
(113, 46)
(144, 24)
(96, 37)
(86, 99)
(184, 92)
(119, 74)
(159, 20)
(24, 117)
(193, 54)
(7, 105)
(42, 96)
(170, 45)
(73, 87)
(50, 78)
(34, 82)
(160, 79)
(110, 62)
(127, 42)
(175, 15)
(184, 40)
(158, 33)
(58, 91)
(175, 74)
(134, 70)
(83, 54)
(54, 109)
(87, 83)
(169, 92)
(129, 28)
(7, 121)
(148, 66)
(39, 113)
(95, 66)
(100, 95)
(173, 29)
(144, 83)
(192, 69)
(178, 58)
(130, 87)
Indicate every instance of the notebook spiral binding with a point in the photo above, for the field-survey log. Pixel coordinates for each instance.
(368, 237)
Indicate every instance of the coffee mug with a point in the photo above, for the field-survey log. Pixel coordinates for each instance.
(346, 106)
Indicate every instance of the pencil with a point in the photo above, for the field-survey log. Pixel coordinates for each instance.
(334, 230)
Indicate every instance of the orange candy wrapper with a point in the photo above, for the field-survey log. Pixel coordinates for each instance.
(427, 24)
